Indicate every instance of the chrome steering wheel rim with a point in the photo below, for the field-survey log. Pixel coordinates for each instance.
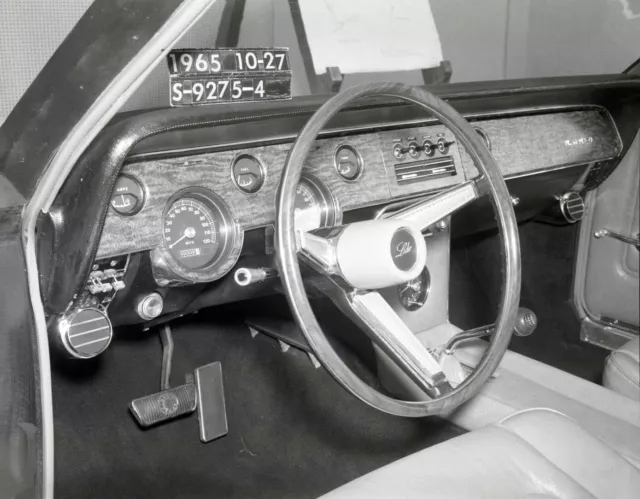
(491, 182)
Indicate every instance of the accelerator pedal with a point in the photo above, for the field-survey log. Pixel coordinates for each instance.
(212, 412)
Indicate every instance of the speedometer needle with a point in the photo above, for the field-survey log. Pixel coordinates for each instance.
(173, 244)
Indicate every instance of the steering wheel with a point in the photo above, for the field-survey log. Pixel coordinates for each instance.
(356, 259)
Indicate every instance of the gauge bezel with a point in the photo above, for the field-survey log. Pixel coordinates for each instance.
(345, 145)
(263, 173)
(143, 190)
(169, 271)
(331, 211)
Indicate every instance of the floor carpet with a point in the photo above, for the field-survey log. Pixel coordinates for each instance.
(293, 431)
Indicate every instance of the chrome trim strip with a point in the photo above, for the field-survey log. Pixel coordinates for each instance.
(103, 109)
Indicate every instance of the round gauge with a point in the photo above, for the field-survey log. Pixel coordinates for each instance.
(314, 205)
(191, 232)
(247, 173)
(413, 294)
(128, 196)
(201, 241)
(348, 162)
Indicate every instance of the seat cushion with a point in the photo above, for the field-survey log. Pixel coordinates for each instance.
(534, 453)
(622, 370)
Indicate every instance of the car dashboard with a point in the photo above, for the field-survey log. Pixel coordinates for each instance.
(184, 203)
(191, 211)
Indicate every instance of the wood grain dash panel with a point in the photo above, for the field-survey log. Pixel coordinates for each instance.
(538, 142)
(520, 145)
(164, 177)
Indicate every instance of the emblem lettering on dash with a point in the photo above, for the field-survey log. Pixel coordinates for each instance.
(403, 248)
(578, 142)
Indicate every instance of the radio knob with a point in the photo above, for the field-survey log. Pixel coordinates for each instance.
(429, 148)
(398, 151)
(443, 146)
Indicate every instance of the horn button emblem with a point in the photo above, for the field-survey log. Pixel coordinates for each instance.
(404, 251)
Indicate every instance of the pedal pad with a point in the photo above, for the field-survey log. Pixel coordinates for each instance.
(164, 405)
(212, 412)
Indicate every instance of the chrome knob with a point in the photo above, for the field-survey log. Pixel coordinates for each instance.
(245, 276)
(526, 322)
(150, 306)
(572, 207)
(84, 333)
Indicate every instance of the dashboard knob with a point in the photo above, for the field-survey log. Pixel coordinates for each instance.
(399, 151)
(572, 206)
(428, 147)
(150, 306)
(84, 333)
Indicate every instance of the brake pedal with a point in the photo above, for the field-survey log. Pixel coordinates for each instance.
(169, 403)
(164, 405)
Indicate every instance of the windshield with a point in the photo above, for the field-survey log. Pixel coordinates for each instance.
(367, 40)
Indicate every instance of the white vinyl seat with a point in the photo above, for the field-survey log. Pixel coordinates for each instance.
(622, 370)
(536, 453)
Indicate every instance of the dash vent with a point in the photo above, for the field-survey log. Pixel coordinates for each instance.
(419, 171)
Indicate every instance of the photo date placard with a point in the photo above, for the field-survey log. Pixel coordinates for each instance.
(190, 91)
(210, 76)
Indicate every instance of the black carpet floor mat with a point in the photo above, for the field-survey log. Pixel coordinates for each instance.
(293, 431)
(548, 254)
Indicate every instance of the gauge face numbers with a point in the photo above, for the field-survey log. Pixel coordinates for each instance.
(128, 196)
(308, 208)
(191, 232)
(413, 294)
(314, 205)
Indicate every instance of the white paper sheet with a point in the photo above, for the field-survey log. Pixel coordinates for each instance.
(360, 36)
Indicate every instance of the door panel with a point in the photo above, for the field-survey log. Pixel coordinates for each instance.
(606, 284)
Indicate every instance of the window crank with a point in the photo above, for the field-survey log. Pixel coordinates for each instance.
(526, 323)
(619, 237)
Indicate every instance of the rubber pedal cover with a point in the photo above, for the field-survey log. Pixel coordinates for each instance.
(165, 405)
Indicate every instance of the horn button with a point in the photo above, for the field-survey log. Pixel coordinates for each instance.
(380, 253)
(403, 249)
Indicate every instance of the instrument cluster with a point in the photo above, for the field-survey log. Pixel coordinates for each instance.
(201, 236)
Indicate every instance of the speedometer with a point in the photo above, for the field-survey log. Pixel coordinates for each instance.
(191, 232)
(201, 241)
(314, 205)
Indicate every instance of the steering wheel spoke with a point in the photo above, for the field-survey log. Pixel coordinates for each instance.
(430, 211)
(387, 330)
(318, 251)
